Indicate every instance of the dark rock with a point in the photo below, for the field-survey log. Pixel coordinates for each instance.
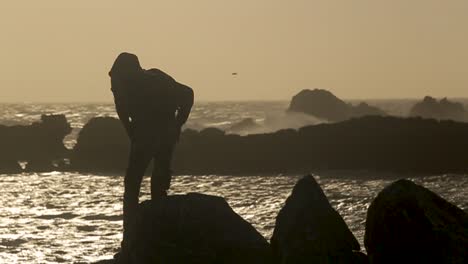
(373, 143)
(407, 223)
(212, 132)
(39, 143)
(323, 104)
(9, 166)
(444, 109)
(102, 143)
(106, 261)
(363, 109)
(309, 230)
(196, 228)
(40, 165)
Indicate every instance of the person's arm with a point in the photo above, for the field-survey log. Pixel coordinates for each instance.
(184, 95)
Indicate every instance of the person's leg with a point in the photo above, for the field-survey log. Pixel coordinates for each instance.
(140, 156)
(162, 173)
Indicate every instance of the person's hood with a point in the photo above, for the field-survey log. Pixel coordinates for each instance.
(125, 66)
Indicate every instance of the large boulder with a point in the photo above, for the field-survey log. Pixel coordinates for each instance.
(102, 146)
(196, 228)
(407, 223)
(325, 105)
(443, 109)
(309, 230)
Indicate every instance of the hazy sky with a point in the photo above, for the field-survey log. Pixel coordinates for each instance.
(57, 50)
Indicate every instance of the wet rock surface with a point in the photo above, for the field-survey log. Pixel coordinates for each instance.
(309, 230)
(407, 223)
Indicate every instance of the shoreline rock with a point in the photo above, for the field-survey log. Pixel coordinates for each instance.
(407, 223)
(373, 143)
(195, 228)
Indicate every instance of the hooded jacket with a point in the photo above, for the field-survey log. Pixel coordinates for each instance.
(150, 100)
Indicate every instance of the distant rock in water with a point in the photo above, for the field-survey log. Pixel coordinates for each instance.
(196, 228)
(429, 107)
(309, 230)
(38, 144)
(373, 143)
(407, 223)
(323, 104)
(363, 109)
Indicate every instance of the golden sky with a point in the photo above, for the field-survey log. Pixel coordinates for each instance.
(60, 50)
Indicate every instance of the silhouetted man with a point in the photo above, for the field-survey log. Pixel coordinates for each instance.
(152, 107)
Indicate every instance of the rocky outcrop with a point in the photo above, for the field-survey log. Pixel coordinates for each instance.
(368, 143)
(323, 104)
(407, 223)
(309, 230)
(444, 109)
(38, 144)
(102, 143)
(195, 228)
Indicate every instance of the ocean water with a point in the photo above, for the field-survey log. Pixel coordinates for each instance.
(74, 218)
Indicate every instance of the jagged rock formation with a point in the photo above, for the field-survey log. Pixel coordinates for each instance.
(444, 109)
(195, 228)
(309, 230)
(39, 144)
(368, 143)
(323, 104)
(407, 223)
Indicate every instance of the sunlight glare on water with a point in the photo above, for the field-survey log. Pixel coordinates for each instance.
(72, 218)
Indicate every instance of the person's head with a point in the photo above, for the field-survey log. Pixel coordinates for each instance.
(126, 67)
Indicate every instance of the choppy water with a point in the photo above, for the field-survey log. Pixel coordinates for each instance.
(72, 218)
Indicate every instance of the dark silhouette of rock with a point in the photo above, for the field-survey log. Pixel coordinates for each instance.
(38, 144)
(444, 109)
(195, 228)
(323, 104)
(363, 109)
(102, 143)
(309, 230)
(9, 166)
(246, 125)
(407, 223)
(375, 143)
